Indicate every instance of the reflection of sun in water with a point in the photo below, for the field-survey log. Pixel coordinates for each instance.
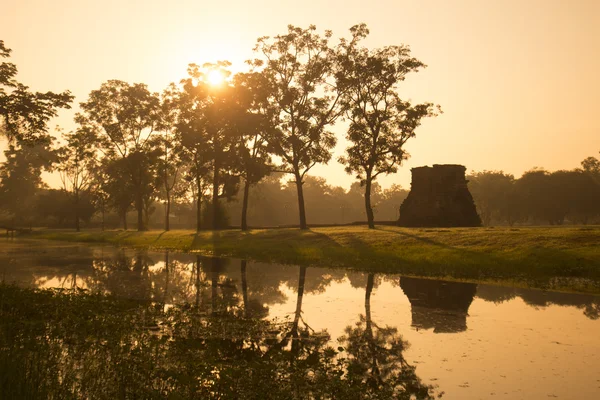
(215, 77)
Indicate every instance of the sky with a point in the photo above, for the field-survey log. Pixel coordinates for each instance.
(518, 80)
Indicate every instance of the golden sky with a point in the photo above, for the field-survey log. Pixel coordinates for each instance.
(518, 80)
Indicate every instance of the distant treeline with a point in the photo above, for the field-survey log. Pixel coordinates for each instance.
(539, 196)
(220, 150)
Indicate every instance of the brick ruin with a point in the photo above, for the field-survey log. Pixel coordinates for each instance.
(439, 197)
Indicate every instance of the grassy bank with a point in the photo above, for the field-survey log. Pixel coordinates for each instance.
(557, 257)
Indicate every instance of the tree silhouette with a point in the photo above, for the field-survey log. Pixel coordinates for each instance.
(376, 359)
(24, 115)
(170, 156)
(124, 117)
(380, 121)
(493, 192)
(207, 124)
(21, 176)
(254, 126)
(77, 161)
(300, 66)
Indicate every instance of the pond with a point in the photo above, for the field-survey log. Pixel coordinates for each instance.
(123, 323)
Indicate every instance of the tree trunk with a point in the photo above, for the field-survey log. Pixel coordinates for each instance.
(369, 329)
(215, 200)
(301, 280)
(139, 205)
(297, 314)
(198, 213)
(301, 210)
(370, 217)
(77, 228)
(167, 211)
(370, 282)
(245, 206)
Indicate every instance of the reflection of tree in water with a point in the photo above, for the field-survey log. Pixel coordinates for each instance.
(376, 359)
(297, 335)
(124, 275)
(440, 305)
(83, 345)
(540, 299)
(253, 308)
(32, 265)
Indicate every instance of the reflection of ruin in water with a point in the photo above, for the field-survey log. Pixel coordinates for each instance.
(440, 305)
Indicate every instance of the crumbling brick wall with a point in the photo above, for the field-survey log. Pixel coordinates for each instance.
(439, 196)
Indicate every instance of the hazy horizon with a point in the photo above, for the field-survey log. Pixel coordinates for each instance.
(517, 81)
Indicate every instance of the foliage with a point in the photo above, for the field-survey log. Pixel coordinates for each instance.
(76, 165)
(24, 115)
(299, 66)
(73, 344)
(58, 208)
(538, 197)
(124, 117)
(380, 121)
(208, 123)
(20, 177)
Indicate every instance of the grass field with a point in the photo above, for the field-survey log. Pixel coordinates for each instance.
(564, 258)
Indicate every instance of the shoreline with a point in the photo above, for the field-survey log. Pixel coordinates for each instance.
(550, 258)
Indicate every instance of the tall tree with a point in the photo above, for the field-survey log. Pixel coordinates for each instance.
(300, 66)
(591, 165)
(170, 157)
(208, 129)
(255, 125)
(21, 176)
(117, 186)
(380, 121)
(492, 192)
(540, 197)
(77, 162)
(125, 117)
(377, 362)
(99, 190)
(24, 115)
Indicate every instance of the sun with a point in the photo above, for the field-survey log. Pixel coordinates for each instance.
(215, 77)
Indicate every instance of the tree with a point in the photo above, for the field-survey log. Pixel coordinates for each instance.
(77, 162)
(591, 166)
(577, 193)
(255, 126)
(380, 121)
(389, 206)
(117, 186)
(24, 115)
(99, 191)
(299, 66)
(207, 124)
(376, 361)
(20, 176)
(125, 116)
(540, 198)
(492, 191)
(170, 161)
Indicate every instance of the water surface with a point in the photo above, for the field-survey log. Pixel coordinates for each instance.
(398, 335)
